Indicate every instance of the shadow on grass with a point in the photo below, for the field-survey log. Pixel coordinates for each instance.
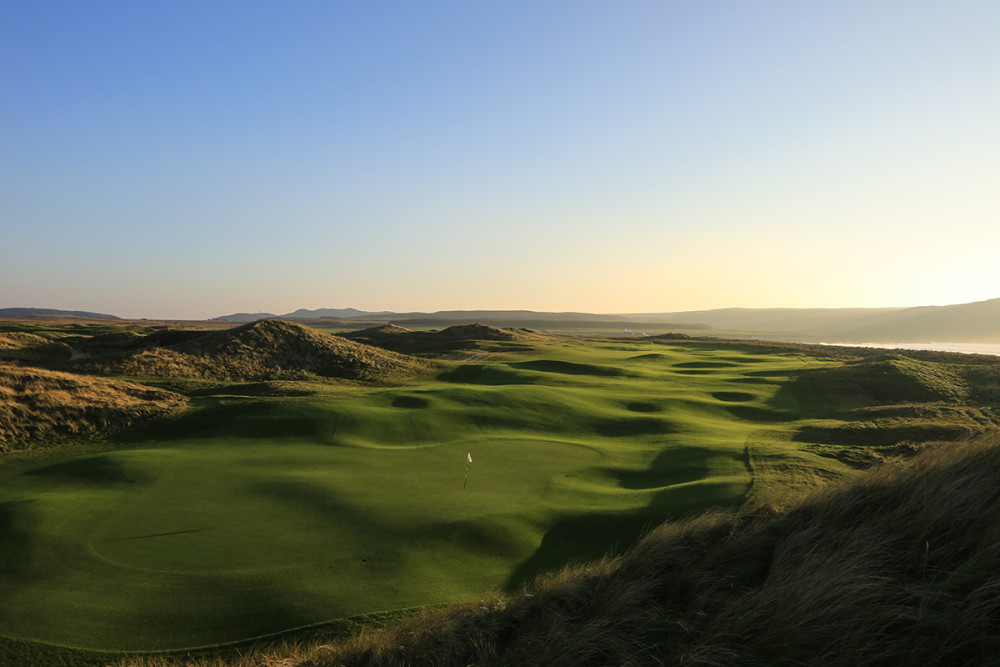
(581, 538)
(98, 470)
(733, 396)
(617, 427)
(642, 406)
(569, 368)
(487, 375)
(411, 402)
(706, 364)
(15, 537)
(576, 539)
(208, 416)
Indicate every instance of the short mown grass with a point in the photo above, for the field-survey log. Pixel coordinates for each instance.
(277, 504)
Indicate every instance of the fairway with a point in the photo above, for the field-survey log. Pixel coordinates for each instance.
(254, 514)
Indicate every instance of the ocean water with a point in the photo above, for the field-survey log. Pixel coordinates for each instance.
(965, 348)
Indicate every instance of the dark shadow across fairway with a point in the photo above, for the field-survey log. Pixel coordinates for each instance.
(633, 426)
(674, 465)
(576, 539)
(486, 375)
(98, 470)
(753, 413)
(16, 521)
(753, 380)
(410, 402)
(706, 364)
(642, 406)
(208, 417)
(568, 368)
(733, 396)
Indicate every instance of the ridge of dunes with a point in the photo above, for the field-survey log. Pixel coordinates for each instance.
(262, 350)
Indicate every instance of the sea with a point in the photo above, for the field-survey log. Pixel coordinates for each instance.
(964, 348)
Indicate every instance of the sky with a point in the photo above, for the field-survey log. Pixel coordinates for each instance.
(192, 159)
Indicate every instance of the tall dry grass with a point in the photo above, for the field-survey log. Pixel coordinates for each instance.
(40, 407)
(263, 350)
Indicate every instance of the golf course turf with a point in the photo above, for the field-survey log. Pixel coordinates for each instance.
(258, 511)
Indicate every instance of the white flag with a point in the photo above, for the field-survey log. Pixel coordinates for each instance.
(469, 455)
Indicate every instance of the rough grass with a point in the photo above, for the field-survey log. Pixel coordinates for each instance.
(39, 407)
(264, 350)
(896, 567)
(27, 347)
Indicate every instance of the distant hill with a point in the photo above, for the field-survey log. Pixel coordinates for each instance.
(769, 319)
(333, 313)
(51, 312)
(244, 317)
(967, 323)
(962, 323)
(262, 350)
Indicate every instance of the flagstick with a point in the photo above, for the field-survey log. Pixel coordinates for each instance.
(468, 462)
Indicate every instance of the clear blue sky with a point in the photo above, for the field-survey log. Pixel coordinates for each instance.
(191, 159)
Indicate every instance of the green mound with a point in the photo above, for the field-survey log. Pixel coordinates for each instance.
(897, 568)
(379, 331)
(883, 381)
(262, 350)
(275, 504)
(444, 342)
(481, 332)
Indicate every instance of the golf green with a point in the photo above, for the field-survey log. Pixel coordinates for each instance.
(252, 515)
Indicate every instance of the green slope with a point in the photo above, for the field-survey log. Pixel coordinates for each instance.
(256, 513)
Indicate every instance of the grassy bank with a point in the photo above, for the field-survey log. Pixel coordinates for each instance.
(280, 504)
(895, 567)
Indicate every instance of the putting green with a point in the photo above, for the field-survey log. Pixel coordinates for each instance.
(253, 515)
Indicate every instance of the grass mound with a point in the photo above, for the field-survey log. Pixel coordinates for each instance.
(262, 350)
(31, 348)
(437, 343)
(896, 567)
(482, 332)
(382, 330)
(39, 407)
(871, 408)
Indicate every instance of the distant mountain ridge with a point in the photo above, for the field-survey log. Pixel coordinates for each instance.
(977, 322)
(53, 312)
(961, 323)
(246, 317)
(970, 322)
